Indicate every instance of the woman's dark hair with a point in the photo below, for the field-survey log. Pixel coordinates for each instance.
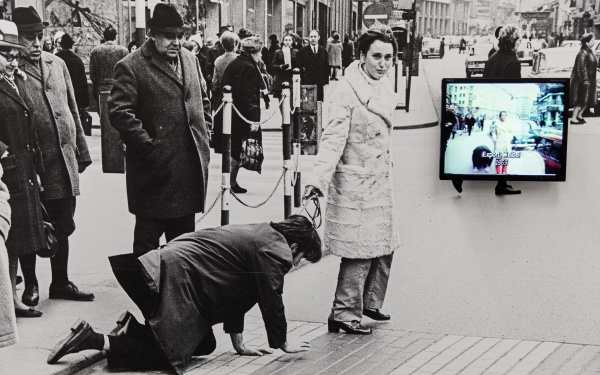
(383, 34)
(109, 33)
(508, 37)
(501, 112)
(336, 36)
(298, 229)
(585, 38)
(132, 44)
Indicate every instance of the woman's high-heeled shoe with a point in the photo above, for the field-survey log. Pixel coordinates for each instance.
(354, 327)
(581, 120)
(29, 313)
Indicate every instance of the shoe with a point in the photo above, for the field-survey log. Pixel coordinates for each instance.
(576, 123)
(19, 280)
(70, 292)
(29, 313)
(375, 314)
(123, 323)
(475, 170)
(487, 169)
(506, 190)
(238, 189)
(75, 341)
(354, 327)
(31, 295)
(580, 119)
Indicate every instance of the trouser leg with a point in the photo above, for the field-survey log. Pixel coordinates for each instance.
(139, 351)
(60, 262)
(62, 215)
(146, 235)
(28, 268)
(348, 301)
(377, 281)
(181, 225)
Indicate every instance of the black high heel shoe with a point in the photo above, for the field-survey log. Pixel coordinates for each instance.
(29, 313)
(354, 327)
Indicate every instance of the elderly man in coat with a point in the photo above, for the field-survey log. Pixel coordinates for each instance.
(65, 152)
(313, 63)
(103, 60)
(156, 104)
(196, 281)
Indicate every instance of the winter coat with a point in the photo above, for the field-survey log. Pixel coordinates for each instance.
(502, 134)
(57, 125)
(78, 78)
(21, 166)
(334, 52)
(245, 79)
(161, 121)
(583, 79)
(221, 63)
(314, 69)
(354, 165)
(281, 75)
(208, 277)
(503, 64)
(8, 323)
(347, 54)
(103, 60)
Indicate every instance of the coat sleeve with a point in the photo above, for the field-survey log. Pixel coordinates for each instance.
(122, 108)
(580, 67)
(277, 62)
(270, 264)
(93, 75)
(83, 153)
(333, 142)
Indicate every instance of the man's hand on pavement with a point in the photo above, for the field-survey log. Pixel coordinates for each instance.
(237, 340)
(293, 347)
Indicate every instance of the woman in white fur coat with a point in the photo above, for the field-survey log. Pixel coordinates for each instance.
(354, 165)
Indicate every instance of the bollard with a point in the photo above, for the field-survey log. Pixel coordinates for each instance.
(285, 126)
(296, 146)
(226, 163)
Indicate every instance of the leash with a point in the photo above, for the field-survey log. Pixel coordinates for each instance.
(316, 215)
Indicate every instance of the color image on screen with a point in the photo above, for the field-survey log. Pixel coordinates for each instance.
(503, 129)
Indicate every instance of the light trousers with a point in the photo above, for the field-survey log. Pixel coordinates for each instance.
(362, 283)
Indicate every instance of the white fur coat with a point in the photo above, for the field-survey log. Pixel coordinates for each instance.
(354, 167)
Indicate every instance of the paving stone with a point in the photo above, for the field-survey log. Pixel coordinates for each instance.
(553, 362)
(580, 360)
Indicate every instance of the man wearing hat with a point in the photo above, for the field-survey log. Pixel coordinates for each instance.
(156, 104)
(103, 60)
(216, 51)
(76, 71)
(64, 149)
(313, 63)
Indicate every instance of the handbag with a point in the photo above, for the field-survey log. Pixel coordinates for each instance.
(252, 155)
(49, 241)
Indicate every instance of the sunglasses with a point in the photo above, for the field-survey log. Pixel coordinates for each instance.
(10, 58)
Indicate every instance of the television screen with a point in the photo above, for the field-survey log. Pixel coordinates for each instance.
(499, 129)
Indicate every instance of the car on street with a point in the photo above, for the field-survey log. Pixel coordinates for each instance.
(526, 134)
(550, 149)
(558, 63)
(570, 43)
(430, 48)
(476, 58)
(525, 52)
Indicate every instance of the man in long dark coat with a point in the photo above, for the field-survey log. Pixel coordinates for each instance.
(103, 60)
(196, 281)
(76, 70)
(64, 149)
(313, 63)
(156, 104)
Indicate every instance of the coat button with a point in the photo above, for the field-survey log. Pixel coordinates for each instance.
(28, 147)
(30, 182)
(26, 114)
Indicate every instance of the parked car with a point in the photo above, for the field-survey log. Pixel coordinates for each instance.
(525, 53)
(526, 134)
(558, 63)
(550, 149)
(430, 48)
(570, 43)
(476, 59)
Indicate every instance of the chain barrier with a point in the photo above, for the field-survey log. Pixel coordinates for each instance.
(211, 207)
(266, 200)
(259, 122)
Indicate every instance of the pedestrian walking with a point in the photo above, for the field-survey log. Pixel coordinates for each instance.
(231, 42)
(76, 70)
(285, 61)
(334, 51)
(313, 63)
(450, 122)
(462, 46)
(64, 149)
(502, 134)
(470, 121)
(442, 48)
(19, 152)
(583, 79)
(103, 60)
(132, 46)
(157, 104)
(245, 79)
(273, 47)
(495, 45)
(505, 63)
(354, 164)
(214, 52)
(347, 53)
(207, 277)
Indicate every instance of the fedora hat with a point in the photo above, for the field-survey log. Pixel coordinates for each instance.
(243, 33)
(167, 19)
(28, 19)
(222, 29)
(9, 35)
(66, 41)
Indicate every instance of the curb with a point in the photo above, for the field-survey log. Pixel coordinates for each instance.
(76, 366)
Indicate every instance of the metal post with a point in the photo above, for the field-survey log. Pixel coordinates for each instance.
(296, 127)
(226, 163)
(140, 21)
(285, 126)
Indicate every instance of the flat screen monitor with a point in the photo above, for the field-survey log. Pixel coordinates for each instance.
(500, 129)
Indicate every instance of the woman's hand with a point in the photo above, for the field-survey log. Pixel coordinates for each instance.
(292, 347)
(310, 191)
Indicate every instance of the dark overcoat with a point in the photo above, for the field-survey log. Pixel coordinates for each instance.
(282, 75)
(208, 277)
(503, 64)
(314, 69)
(78, 78)
(103, 60)
(160, 119)
(243, 76)
(17, 136)
(57, 125)
(583, 79)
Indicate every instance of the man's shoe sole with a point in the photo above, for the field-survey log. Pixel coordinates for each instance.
(79, 332)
